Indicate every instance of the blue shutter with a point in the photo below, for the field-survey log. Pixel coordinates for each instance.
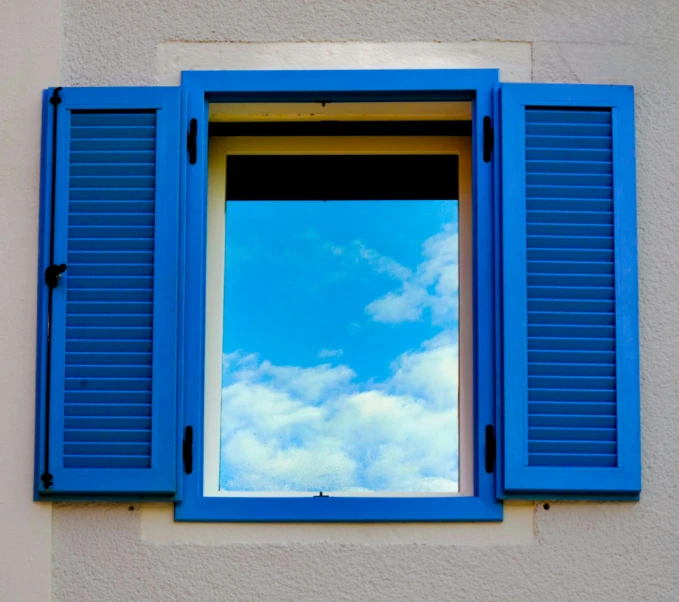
(570, 325)
(111, 380)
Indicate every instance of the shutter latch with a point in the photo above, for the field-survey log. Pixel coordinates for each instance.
(488, 139)
(491, 450)
(53, 273)
(192, 141)
(187, 450)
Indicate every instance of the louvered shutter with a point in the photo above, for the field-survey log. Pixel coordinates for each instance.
(570, 342)
(108, 374)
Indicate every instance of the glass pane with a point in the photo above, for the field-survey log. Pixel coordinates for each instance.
(340, 348)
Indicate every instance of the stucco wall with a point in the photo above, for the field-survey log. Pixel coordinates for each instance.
(30, 56)
(573, 551)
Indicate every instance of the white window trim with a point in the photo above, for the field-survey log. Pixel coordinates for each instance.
(218, 149)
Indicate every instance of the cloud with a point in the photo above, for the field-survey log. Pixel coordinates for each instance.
(289, 428)
(307, 383)
(430, 374)
(406, 305)
(323, 353)
(434, 285)
(383, 264)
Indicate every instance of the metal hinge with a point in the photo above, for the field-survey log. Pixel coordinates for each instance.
(488, 139)
(187, 450)
(192, 141)
(491, 448)
(53, 273)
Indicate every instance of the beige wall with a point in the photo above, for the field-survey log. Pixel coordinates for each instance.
(30, 59)
(573, 551)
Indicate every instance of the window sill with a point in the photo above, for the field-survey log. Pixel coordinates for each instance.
(338, 509)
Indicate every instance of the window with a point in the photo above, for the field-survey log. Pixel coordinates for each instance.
(130, 355)
(339, 366)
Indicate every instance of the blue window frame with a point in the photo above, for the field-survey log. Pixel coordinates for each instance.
(201, 88)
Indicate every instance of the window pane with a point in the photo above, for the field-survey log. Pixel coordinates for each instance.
(340, 348)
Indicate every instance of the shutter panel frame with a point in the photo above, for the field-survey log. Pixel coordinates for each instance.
(572, 480)
(135, 457)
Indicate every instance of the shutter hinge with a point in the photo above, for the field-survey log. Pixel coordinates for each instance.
(187, 450)
(488, 139)
(491, 448)
(47, 480)
(55, 99)
(53, 273)
(191, 141)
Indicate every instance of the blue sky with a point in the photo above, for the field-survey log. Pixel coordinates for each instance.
(340, 346)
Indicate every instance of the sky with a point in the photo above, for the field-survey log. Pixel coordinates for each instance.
(340, 354)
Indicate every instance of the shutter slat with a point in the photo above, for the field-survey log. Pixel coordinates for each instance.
(111, 207)
(111, 144)
(561, 408)
(110, 423)
(112, 194)
(561, 432)
(566, 218)
(560, 421)
(114, 229)
(578, 230)
(569, 330)
(112, 270)
(84, 371)
(569, 166)
(121, 357)
(117, 435)
(109, 131)
(139, 119)
(129, 157)
(545, 128)
(569, 204)
(568, 356)
(113, 169)
(537, 278)
(575, 179)
(557, 191)
(93, 181)
(548, 116)
(573, 460)
(104, 282)
(570, 154)
(99, 218)
(104, 256)
(573, 448)
(133, 333)
(570, 267)
(558, 369)
(574, 395)
(576, 318)
(104, 406)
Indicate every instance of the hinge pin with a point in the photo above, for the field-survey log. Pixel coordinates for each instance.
(53, 273)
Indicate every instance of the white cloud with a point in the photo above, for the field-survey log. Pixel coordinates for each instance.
(383, 264)
(434, 285)
(308, 383)
(406, 305)
(323, 353)
(287, 428)
(431, 374)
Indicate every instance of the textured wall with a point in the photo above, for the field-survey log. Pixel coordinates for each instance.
(579, 551)
(30, 53)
